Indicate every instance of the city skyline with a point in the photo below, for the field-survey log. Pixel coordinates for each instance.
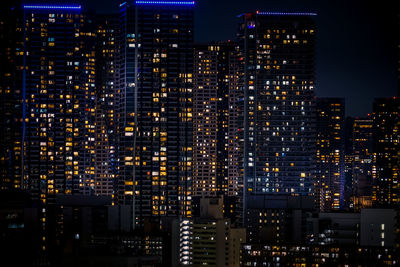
(355, 43)
(126, 142)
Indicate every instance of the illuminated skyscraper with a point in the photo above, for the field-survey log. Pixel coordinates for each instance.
(107, 103)
(277, 109)
(59, 106)
(329, 181)
(386, 136)
(156, 100)
(215, 82)
(348, 161)
(362, 161)
(11, 67)
(205, 121)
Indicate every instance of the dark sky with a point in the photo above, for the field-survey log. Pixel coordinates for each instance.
(356, 48)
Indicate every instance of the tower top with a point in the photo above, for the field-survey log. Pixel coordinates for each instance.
(57, 7)
(269, 13)
(165, 3)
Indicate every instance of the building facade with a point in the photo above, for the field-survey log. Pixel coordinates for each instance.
(276, 105)
(11, 69)
(58, 110)
(214, 122)
(362, 161)
(209, 238)
(214, 79)
(156, 77)
(107, 105)
(59, 101)
(385, 168)
(330, 167)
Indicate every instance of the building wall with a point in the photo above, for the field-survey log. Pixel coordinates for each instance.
(215, 124)
(11, 57)
(337, 229)
(156, 79)
(59, 88)
(278, 219)
(362, 163)
(205, 121)
(330, 164)
(237, 237)
(277, 109)
(289, 255)
(378, 227)
(107, 105)
(386, 162)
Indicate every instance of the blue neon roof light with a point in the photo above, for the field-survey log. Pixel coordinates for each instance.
(281, 14)
(287, 13)
(52, 7)
(177, 3)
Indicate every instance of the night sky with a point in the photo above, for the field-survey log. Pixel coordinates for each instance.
(356, 48)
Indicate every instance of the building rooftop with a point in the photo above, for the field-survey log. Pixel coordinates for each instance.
(269, 13)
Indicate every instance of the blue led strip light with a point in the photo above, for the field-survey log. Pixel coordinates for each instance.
(52, 7)
(188, 3)
(286, 13)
